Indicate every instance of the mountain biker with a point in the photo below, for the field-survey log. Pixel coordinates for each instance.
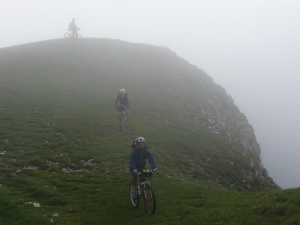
(122, 101)
(73, 27)
(137, 161)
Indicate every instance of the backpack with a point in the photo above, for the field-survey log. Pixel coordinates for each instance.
(133, 145)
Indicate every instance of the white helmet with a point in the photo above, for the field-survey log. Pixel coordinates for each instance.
(140, 140)
(122, 91)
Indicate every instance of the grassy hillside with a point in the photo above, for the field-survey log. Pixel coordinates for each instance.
(61, 147)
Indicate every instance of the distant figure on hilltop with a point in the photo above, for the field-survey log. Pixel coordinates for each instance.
(122, 101)
(73, 28)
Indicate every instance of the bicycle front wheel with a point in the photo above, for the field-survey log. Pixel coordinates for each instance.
(134, 201)
(149, 200)
(123, 121)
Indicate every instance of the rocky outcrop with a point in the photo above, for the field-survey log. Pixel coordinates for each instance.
(217, 111)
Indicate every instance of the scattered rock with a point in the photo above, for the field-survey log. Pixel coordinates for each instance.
(36, 205)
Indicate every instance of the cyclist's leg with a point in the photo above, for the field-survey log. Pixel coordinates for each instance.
(134, 183)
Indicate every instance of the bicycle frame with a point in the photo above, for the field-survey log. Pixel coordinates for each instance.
(145, 192)
(142, 182)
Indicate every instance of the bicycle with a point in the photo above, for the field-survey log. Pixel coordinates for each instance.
(123, 119)
(72, 35)
(144, 191)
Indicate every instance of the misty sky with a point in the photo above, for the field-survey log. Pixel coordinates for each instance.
(250, 47)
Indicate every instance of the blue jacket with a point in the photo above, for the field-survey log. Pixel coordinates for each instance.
(138, 158)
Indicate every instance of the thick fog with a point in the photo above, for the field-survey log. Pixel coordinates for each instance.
(250, 47)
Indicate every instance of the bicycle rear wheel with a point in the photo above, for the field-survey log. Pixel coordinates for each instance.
(67, 35)
(149, 200)
(134, 201)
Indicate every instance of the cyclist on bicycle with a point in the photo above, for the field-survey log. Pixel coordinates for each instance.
(73, 28)
(137, 162)
(122, 101)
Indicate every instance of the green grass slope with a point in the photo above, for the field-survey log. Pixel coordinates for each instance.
(61, 147)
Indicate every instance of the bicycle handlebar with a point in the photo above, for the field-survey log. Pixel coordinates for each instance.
(146, 173)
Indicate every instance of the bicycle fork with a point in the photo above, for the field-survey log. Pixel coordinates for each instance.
(140, 189)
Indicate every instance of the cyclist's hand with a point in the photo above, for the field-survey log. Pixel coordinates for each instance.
(154, 170)
(135, 171)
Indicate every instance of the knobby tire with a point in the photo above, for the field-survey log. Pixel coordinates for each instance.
(134, 202)
(123, 121)
(149, 200)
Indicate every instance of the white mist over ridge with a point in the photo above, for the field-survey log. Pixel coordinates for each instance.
(251, 48)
